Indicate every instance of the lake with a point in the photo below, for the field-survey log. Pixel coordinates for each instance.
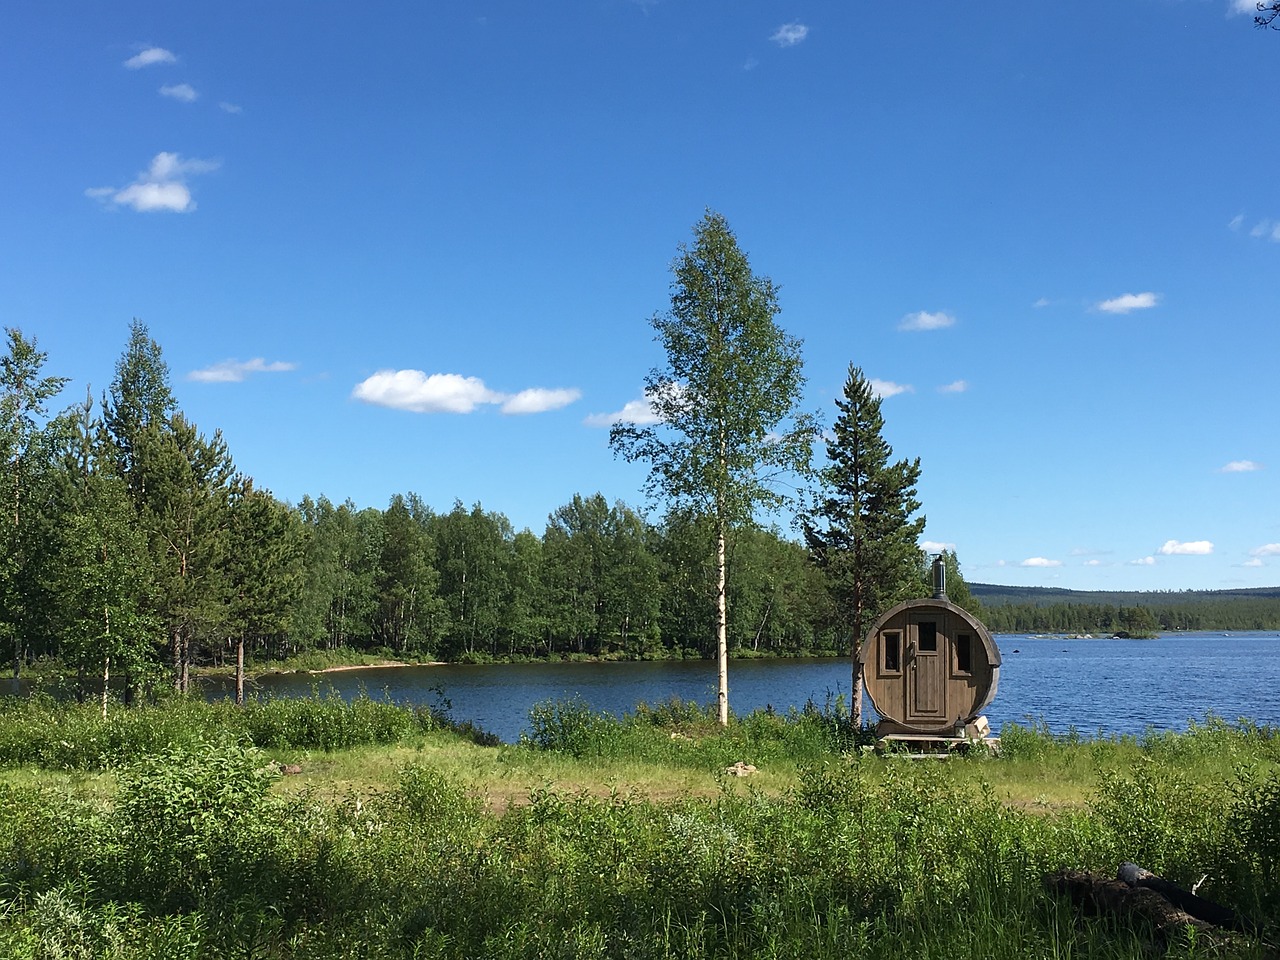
(1096, 686)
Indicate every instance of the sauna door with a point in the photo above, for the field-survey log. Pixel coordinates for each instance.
(927, 657)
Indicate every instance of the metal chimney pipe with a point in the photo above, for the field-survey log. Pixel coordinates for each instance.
(939, 578)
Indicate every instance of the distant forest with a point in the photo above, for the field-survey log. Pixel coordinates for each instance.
(1054, 610)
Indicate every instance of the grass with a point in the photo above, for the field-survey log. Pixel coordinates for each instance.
(168, 834)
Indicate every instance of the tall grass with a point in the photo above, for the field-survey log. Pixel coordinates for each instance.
(67, 736)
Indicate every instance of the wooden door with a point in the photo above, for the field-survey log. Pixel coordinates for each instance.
(927, 658)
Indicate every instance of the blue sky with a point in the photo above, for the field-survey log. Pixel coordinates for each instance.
(416, 246)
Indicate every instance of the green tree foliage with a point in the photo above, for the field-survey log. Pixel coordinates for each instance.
(474, 553)
(187, 481)
(104, 570)
(25, 457)
(600, 579)
(140, 399)
(261, 569)
(729, 427)
(409, 606)
(860, 529)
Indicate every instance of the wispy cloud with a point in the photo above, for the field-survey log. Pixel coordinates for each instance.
(1042, 302)
(418, 392)
(1236, 222)
(1266, 230)
(642, 412)
(887, 388)
(230, 107)
(1192, 548)
(1129, 302)
(789, 34)
(923, 320)
(150, 57)
(955, 386)
(1240, 466)
(639, 412)
(1244, 6)
(183, 92)
(1266, 550)
(235, 371)
(1040, 562)
(1143, 562)
(162, 187)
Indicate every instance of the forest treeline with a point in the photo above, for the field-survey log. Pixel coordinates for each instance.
(134, 546)
(1192, 610)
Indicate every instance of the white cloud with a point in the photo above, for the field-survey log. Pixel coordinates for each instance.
(230, 107)
(179, 91)
(1261, 228)
(1236, 221)
(933, 546)
(1244, 6)
(1129, 302)
(1040, 562)
(887, 388)
(149, 57)
(640, 412)
(751, 63)
(1095, 562)
(162, 187)
(1240, 466)
(1266, 550)
(235, 371)
(955, 386)
(923, 320)
(1143, 562)
(417, 392)
(537, 400)
(1193, 548)
(1253, 562)
(1042, 302)
(414, 390)
(789, 34)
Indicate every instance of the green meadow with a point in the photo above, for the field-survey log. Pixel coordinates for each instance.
(170, 831)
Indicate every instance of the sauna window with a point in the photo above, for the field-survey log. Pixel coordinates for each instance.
(891, 644)
(964, 654)
(927, 637)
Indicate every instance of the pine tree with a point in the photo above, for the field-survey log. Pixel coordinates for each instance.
(860, 531)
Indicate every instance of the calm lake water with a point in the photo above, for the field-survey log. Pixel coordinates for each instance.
(1095, 686)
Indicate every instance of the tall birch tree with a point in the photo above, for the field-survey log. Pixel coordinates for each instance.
(729, 432)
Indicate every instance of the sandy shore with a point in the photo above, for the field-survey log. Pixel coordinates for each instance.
(378, 666)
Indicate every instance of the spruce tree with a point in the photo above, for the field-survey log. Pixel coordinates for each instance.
(860, 530)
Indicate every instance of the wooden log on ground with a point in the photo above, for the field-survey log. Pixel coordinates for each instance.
(1198, 907)
(1102, 895)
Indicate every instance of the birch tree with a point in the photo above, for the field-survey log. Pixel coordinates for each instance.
(729, 433)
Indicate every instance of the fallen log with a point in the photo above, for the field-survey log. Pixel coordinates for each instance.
(1197, 906)
(1145, 902)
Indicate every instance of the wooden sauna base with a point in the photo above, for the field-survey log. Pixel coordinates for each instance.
(925, 746)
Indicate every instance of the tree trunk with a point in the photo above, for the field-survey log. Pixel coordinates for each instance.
(240, 671)
(722, 629)
(106, 661)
